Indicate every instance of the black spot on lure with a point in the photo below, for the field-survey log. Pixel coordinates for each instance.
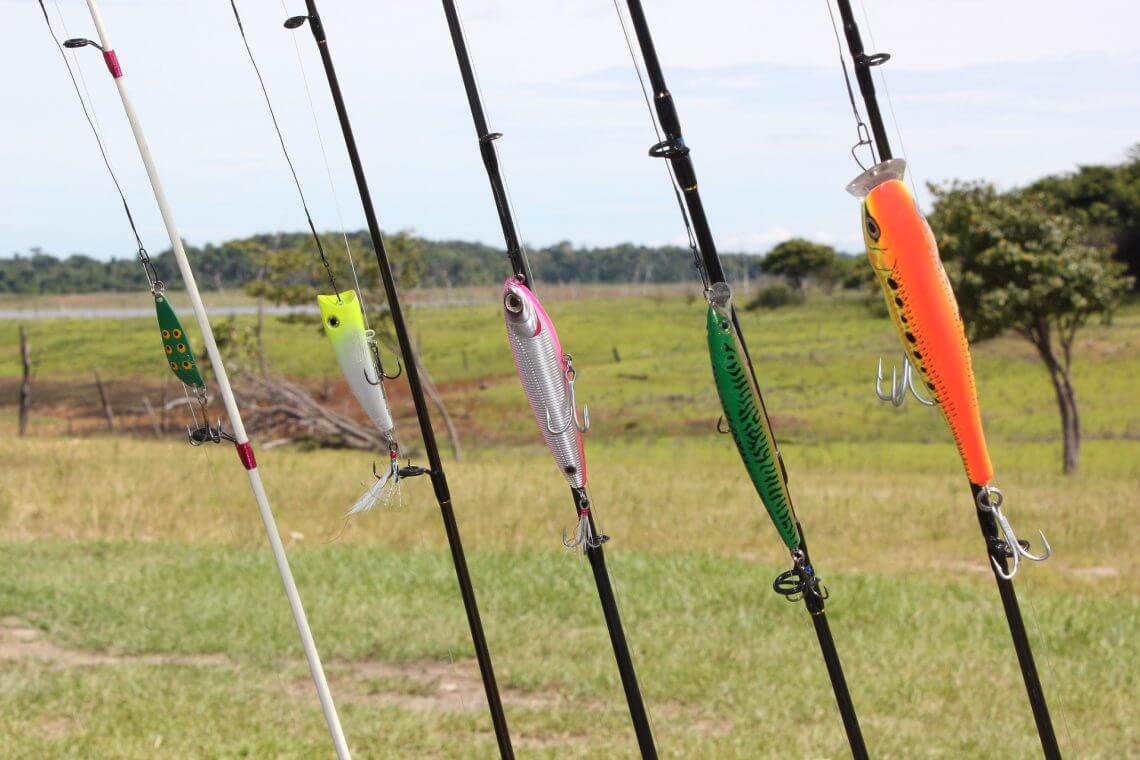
(746, 417)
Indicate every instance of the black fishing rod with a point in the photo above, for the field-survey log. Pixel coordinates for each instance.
(996, 547)
(521, 268)
(435, 471)
(800, 583)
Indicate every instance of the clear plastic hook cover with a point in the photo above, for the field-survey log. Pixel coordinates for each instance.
(893, 168)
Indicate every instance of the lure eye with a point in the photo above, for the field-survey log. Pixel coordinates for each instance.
(513, 303)
(176, 333)
(873, 228)
(334, 322)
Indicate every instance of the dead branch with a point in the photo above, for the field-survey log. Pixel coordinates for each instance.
(287, 412)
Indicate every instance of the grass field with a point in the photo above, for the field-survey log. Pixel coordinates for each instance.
(140, 614)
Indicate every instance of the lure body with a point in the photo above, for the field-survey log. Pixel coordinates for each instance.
(546, 377)
(176, 344)
(747, 420)
(343, 319)
(904, 254)
(344, 324)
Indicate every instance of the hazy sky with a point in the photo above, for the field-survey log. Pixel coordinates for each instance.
(1002, 89)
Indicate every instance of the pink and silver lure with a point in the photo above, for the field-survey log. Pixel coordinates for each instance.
(547, 376)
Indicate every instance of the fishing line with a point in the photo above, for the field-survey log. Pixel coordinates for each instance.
(285, 151)
(152, 276)
(82, 76)
(369, 333)
(157, 286)
(860, 125)
(668, 166)
(486, 115)
(328, 173)
(890, 104)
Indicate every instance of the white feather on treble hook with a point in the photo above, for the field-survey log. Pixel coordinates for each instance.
(373, 495)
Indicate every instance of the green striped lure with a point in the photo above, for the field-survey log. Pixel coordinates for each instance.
(746, 417)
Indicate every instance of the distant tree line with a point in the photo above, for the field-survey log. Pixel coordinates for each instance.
(1103, 200)
(433, 263)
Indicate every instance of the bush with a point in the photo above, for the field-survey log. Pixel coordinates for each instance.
(776, 296)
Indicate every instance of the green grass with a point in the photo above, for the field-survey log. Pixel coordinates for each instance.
(727, 668)
(143, 572)
(816, 365)
(141, 615)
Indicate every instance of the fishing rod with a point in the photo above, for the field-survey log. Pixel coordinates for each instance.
(182, 362)
(435, 470)
(547, 374)
(345, 321)
(734, 375)
(904, 253)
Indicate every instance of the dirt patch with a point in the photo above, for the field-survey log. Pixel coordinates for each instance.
(420, 685)
(19, 642)
(428, 685)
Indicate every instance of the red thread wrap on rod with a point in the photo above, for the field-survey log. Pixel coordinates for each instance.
(112, 62)
(245, 454)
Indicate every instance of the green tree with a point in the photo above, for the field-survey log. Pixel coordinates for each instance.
(1108, 201)
(798, 259)
(1019, 264)
(286, 275)
(855, 273)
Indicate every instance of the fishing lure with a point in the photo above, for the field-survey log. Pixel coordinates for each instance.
(746, 417)
(904, 255)
(547, 375)
(355, 347)
(176, 344)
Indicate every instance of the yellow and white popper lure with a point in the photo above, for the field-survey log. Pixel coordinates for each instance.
(355, 348)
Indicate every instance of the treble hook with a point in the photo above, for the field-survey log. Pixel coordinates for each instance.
(583, 423)
(379, 365)
(584, 534)
(990, 500)
(207, 434)
(899, 390)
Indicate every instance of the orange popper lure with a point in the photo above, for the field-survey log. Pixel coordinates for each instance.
(904, 255)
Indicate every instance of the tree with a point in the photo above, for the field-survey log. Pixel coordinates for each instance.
(1019, 264)
(798, 259)
(1108, 200)
(855, 273)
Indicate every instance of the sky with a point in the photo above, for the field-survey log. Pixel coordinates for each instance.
(1004, 91)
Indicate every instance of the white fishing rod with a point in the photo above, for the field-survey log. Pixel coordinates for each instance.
(241, 440)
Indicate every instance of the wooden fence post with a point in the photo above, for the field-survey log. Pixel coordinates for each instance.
(25, 379)
(108, 412)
